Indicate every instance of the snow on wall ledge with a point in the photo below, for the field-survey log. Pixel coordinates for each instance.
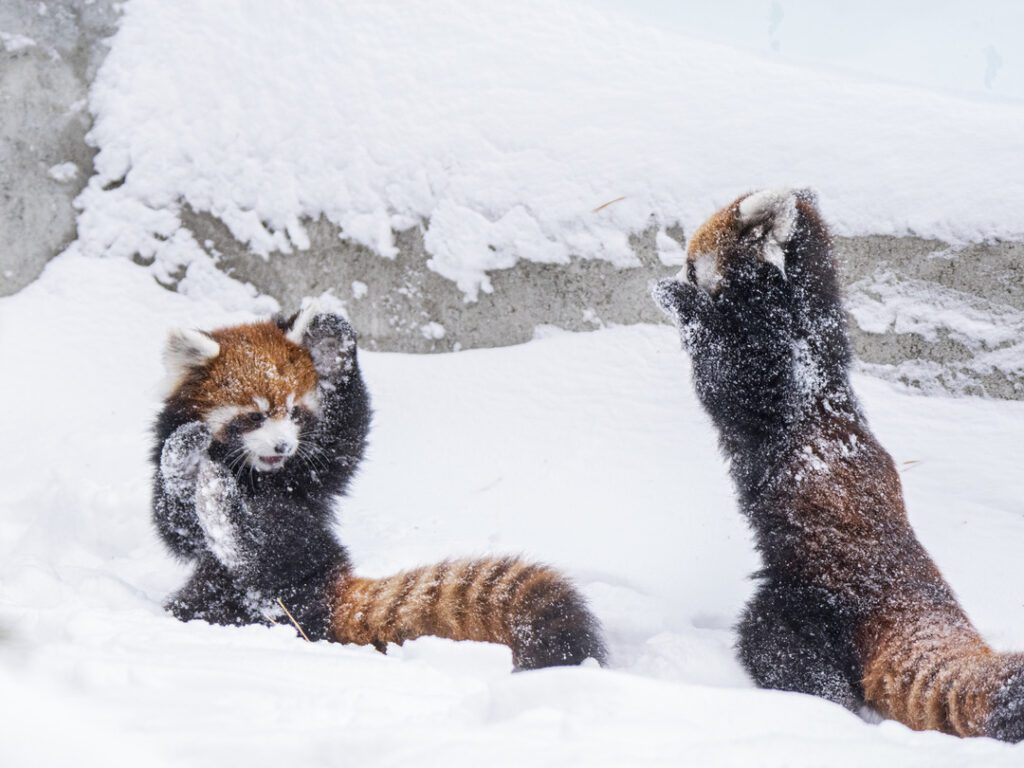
(538, 145)
(936, 318)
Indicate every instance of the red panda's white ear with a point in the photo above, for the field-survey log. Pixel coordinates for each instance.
(186, 349)
(775, 211)
(297, 331)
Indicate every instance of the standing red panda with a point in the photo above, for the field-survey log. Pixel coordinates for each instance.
(850, 606)
(265, 425)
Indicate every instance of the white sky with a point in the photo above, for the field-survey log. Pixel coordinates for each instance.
(969, 46)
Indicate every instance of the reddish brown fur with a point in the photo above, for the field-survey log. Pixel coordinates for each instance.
(717, 232)
(924, 664)
(487, 600)
(255, 360)
(931, 670)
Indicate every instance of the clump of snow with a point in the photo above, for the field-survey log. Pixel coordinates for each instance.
(63, 172)
(359, 289)
(586, 451)
(432, 330)
(531, 130)
(12, 43)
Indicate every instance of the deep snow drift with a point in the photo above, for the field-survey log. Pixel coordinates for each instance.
(588, 451)
(504, 129)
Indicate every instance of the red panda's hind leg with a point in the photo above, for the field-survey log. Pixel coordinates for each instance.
(791, 640)
(211, 595)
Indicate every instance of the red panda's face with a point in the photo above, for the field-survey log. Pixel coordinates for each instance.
(253, 387)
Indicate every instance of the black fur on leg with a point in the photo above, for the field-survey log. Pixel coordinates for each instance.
(795, 638)
(309, 603)
(210, 594)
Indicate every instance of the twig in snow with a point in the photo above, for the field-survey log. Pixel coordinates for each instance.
(292, 619)
(602, 206)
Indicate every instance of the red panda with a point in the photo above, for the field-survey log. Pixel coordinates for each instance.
(850, 606)
(265, 425)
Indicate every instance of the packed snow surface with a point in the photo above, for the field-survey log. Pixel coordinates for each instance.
(528, 130)
(586, 451)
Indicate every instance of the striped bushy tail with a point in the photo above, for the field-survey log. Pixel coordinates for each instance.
(933, 671)
(531, 608)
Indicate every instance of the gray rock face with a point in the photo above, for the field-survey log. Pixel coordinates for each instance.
(49, 53)
(922, 313)
(938, 317)
(400, 304)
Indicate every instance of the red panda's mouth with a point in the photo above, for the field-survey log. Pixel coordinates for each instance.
(272, 461)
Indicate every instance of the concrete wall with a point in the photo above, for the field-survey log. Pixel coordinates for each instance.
(49, 53)
(925, 314)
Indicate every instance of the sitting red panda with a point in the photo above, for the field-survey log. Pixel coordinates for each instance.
(265, 425)
(850, 606)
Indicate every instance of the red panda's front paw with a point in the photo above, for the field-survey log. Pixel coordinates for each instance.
(180, 457)
(329, 337)
(682, 300)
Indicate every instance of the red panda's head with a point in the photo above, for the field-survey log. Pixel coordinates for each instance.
(755, 226)
(253, 385)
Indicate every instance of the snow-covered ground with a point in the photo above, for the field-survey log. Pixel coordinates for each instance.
(587, 451)
(505, 129)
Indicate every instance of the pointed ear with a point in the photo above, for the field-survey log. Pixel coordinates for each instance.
(186, 349)
(774, 212)
(296, 327)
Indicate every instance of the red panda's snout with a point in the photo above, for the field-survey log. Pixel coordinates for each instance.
(271, 444)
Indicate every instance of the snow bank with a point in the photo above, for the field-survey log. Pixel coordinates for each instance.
(504, 129)
(588, 451)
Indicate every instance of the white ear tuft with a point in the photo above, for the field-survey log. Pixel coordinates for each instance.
(187, 348)
(301, 322)
(774, 255)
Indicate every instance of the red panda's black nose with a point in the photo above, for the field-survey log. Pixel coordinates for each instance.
(282, 448)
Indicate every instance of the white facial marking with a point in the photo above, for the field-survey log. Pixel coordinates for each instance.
(705, 268)
(311, 402)
(220, 417)
(262, 403)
